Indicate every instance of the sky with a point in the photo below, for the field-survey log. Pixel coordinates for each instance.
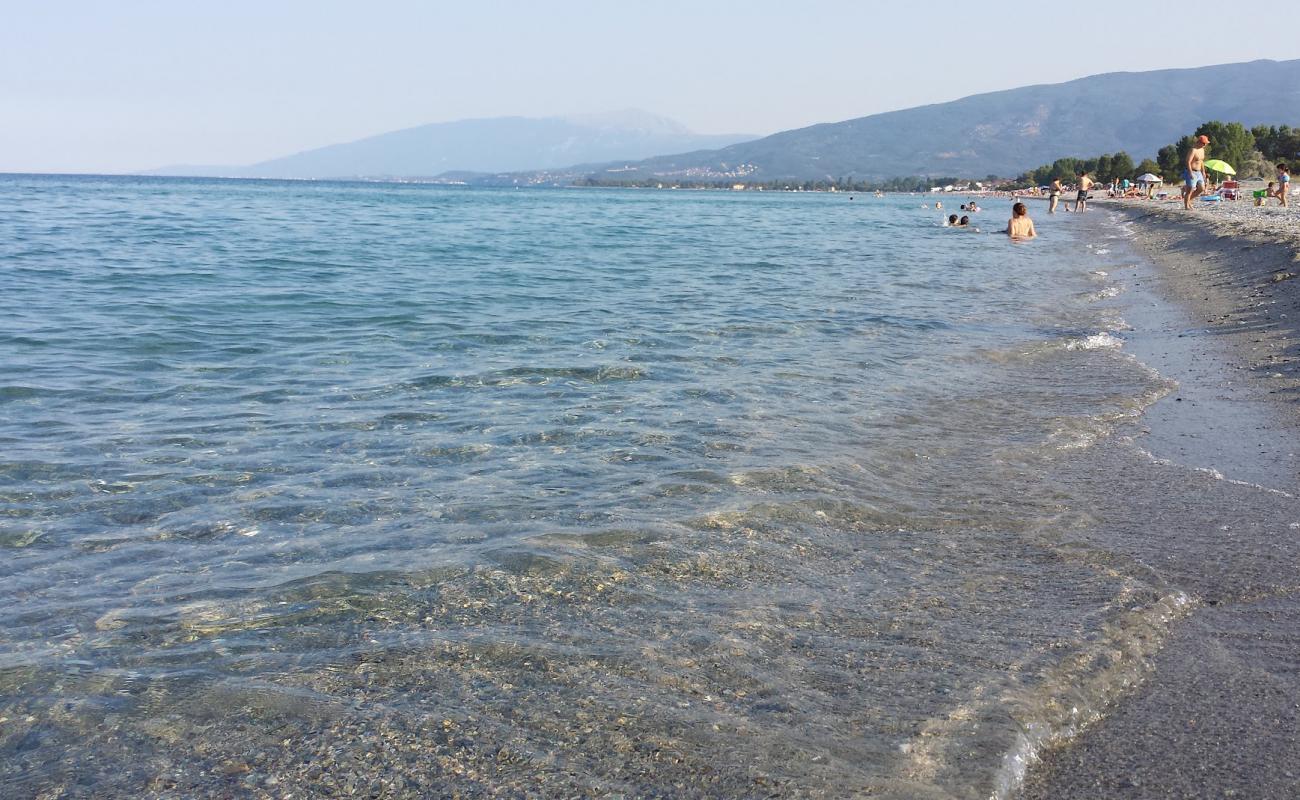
(136, 84)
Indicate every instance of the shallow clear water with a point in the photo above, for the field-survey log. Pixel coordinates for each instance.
(343, 487)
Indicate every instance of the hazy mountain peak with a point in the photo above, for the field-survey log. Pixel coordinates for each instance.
(491, 145)
(631, 119)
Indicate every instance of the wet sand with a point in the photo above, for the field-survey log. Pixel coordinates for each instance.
(1219, 714)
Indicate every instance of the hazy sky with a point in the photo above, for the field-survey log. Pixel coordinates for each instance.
(133, 84)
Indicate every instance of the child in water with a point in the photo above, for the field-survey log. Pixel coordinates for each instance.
(1020, 227)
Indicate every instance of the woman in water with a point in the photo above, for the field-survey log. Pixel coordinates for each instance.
(1020, 226)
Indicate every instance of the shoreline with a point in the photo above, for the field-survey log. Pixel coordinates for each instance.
(1217, 714)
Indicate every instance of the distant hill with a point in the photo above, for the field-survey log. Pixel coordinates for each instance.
(503, 144)
(1003, 133)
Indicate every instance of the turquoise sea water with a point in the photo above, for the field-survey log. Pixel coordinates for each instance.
(312, 488)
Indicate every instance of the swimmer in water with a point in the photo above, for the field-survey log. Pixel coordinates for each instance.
(1020, 227)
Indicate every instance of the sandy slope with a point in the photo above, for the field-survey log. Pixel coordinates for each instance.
(1220, 714)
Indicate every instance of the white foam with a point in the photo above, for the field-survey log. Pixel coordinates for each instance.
(1097, 341)
(1216, 475)
(1115, 663)
(1075, 440)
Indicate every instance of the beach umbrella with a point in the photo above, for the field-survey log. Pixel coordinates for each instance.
(1216, 165)
(1147, 177)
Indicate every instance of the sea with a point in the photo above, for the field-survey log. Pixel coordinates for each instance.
(361, 489)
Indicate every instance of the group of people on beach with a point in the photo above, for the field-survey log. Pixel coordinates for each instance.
(1055, 191)
(1020, 227)
(1195, 184)
(1280, 187)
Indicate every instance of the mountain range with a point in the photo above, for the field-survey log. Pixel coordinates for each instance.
(1004, 133)
(1000, 133)
(502, 144)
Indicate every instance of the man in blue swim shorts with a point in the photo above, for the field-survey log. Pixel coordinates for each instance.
(1194, 174)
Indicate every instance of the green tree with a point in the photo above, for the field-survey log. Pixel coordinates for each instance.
(1264, 135)
(1146, 166)
(1173, 159)
(1121, 166)
(1065, 169)
(1277, 143)
(1100, 168)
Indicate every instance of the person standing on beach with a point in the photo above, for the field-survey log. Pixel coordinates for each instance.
(1054, 195)
(1081, 199)
(1194, 174)
(1283, 183)
(1020, 227)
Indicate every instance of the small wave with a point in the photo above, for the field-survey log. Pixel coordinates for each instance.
(1078, 691)
(1067, 696)
(21, 392)
(1216, 475)
(1078, 433)
(603, 374)
(1059, 341)
(19, 539)
(1116, 323)
(1105, 294)
(505, 378)
(1219, 476)
(1097, 341)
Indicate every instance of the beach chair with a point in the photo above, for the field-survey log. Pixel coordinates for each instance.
(1230, 190)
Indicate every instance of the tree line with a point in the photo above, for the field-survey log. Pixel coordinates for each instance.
(1251, 152)
(1104, 168)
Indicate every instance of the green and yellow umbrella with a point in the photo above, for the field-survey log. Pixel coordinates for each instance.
(1215, 165)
